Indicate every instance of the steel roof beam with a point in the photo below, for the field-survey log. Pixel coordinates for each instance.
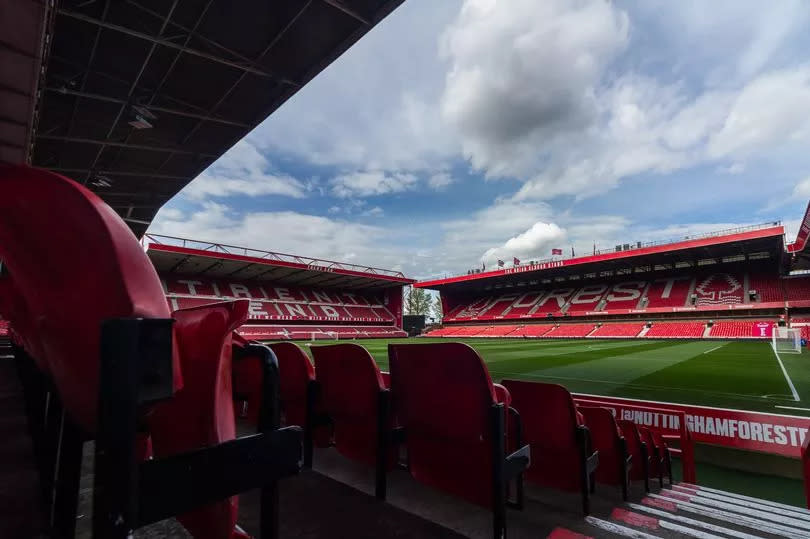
(172, 45)
(164, 149)
(228, 92)
(120, 173)
(155, 108)
(341, 6)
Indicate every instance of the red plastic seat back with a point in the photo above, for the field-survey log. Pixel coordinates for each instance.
(632, 437)
(202, 414)
(548, 414)
(550, 419)
(606, 437)
(350, 384)
(443, 397)
(75, 263)
(296, 373)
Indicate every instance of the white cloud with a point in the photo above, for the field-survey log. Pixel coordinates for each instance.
(771, 110)
(376, 211)
(372, 183)
(440, 181)
(525, 72)
(534, 243)
(243, 170)
(802, 189)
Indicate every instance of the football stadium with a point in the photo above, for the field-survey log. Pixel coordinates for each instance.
(155, 385)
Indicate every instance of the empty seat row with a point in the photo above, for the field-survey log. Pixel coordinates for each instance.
(708, 291)
(261, 309)
(627, 330)
(459, 432)
(273, 333)
(756, 329)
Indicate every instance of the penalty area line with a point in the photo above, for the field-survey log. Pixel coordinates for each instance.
(713, 349)
(792, 408)
(787, 377)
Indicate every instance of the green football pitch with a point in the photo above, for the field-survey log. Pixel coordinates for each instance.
(728, 374)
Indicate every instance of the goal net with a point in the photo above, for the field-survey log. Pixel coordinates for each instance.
(787, 340)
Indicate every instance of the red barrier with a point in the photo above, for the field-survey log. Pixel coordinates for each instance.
(806, 469)
(667, 422)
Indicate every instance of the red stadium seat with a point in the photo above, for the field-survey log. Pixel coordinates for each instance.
(614, 459)
(453, 424)
(301, 402)
(356, 400)
(658, 453)
(100, 332)
(638, 450)
(618, 330)
(571, 330)
(676, 330)
(202, 414)
(562, 451)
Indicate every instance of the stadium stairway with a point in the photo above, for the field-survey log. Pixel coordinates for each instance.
(680, 510)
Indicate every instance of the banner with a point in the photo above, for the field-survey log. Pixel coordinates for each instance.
(754, 431)
(762, 329)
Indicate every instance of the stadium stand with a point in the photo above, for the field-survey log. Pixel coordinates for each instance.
(571, 330)
(676, 330)
(279, 302)
(767, 288)
(750, 329)
(532, 330)
(627, 330)
(670, 292)
(307, 332)
(797, 291)
(719, 289)
(497, 331)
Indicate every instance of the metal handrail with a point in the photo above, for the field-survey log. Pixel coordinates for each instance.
(259, 253)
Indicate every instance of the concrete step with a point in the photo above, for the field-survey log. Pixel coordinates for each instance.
(688, 510)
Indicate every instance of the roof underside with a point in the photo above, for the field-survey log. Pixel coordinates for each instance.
(211, 265)
(764, 241)
(202, 73)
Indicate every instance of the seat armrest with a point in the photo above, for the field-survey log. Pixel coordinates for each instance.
(517, 462)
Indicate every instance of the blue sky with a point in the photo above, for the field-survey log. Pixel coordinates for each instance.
(458, 132)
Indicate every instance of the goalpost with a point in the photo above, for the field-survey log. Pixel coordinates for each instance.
(324, 336)
(787, 340)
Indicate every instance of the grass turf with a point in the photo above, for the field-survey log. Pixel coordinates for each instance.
(729, 374)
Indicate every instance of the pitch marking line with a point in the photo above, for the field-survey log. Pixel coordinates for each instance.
(792, 408)
(713, 349)
(784, 371)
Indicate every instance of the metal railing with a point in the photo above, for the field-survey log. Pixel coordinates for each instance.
(316, 263)
(641, 245)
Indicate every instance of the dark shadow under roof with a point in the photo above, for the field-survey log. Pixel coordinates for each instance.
(202, 73)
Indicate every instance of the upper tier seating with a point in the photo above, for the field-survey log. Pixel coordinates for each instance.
(88, 335)
(272, 332)
(797, 288)
(614, 459)
(676, 329)
(625, 295)
(571, 330)
(720, 289)
(563, 456)
(757, 329)
(454, 425)
(768, 289)
(269, 302)
(586, 298)
(714, 291)
(631, 329)
(668, 292)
